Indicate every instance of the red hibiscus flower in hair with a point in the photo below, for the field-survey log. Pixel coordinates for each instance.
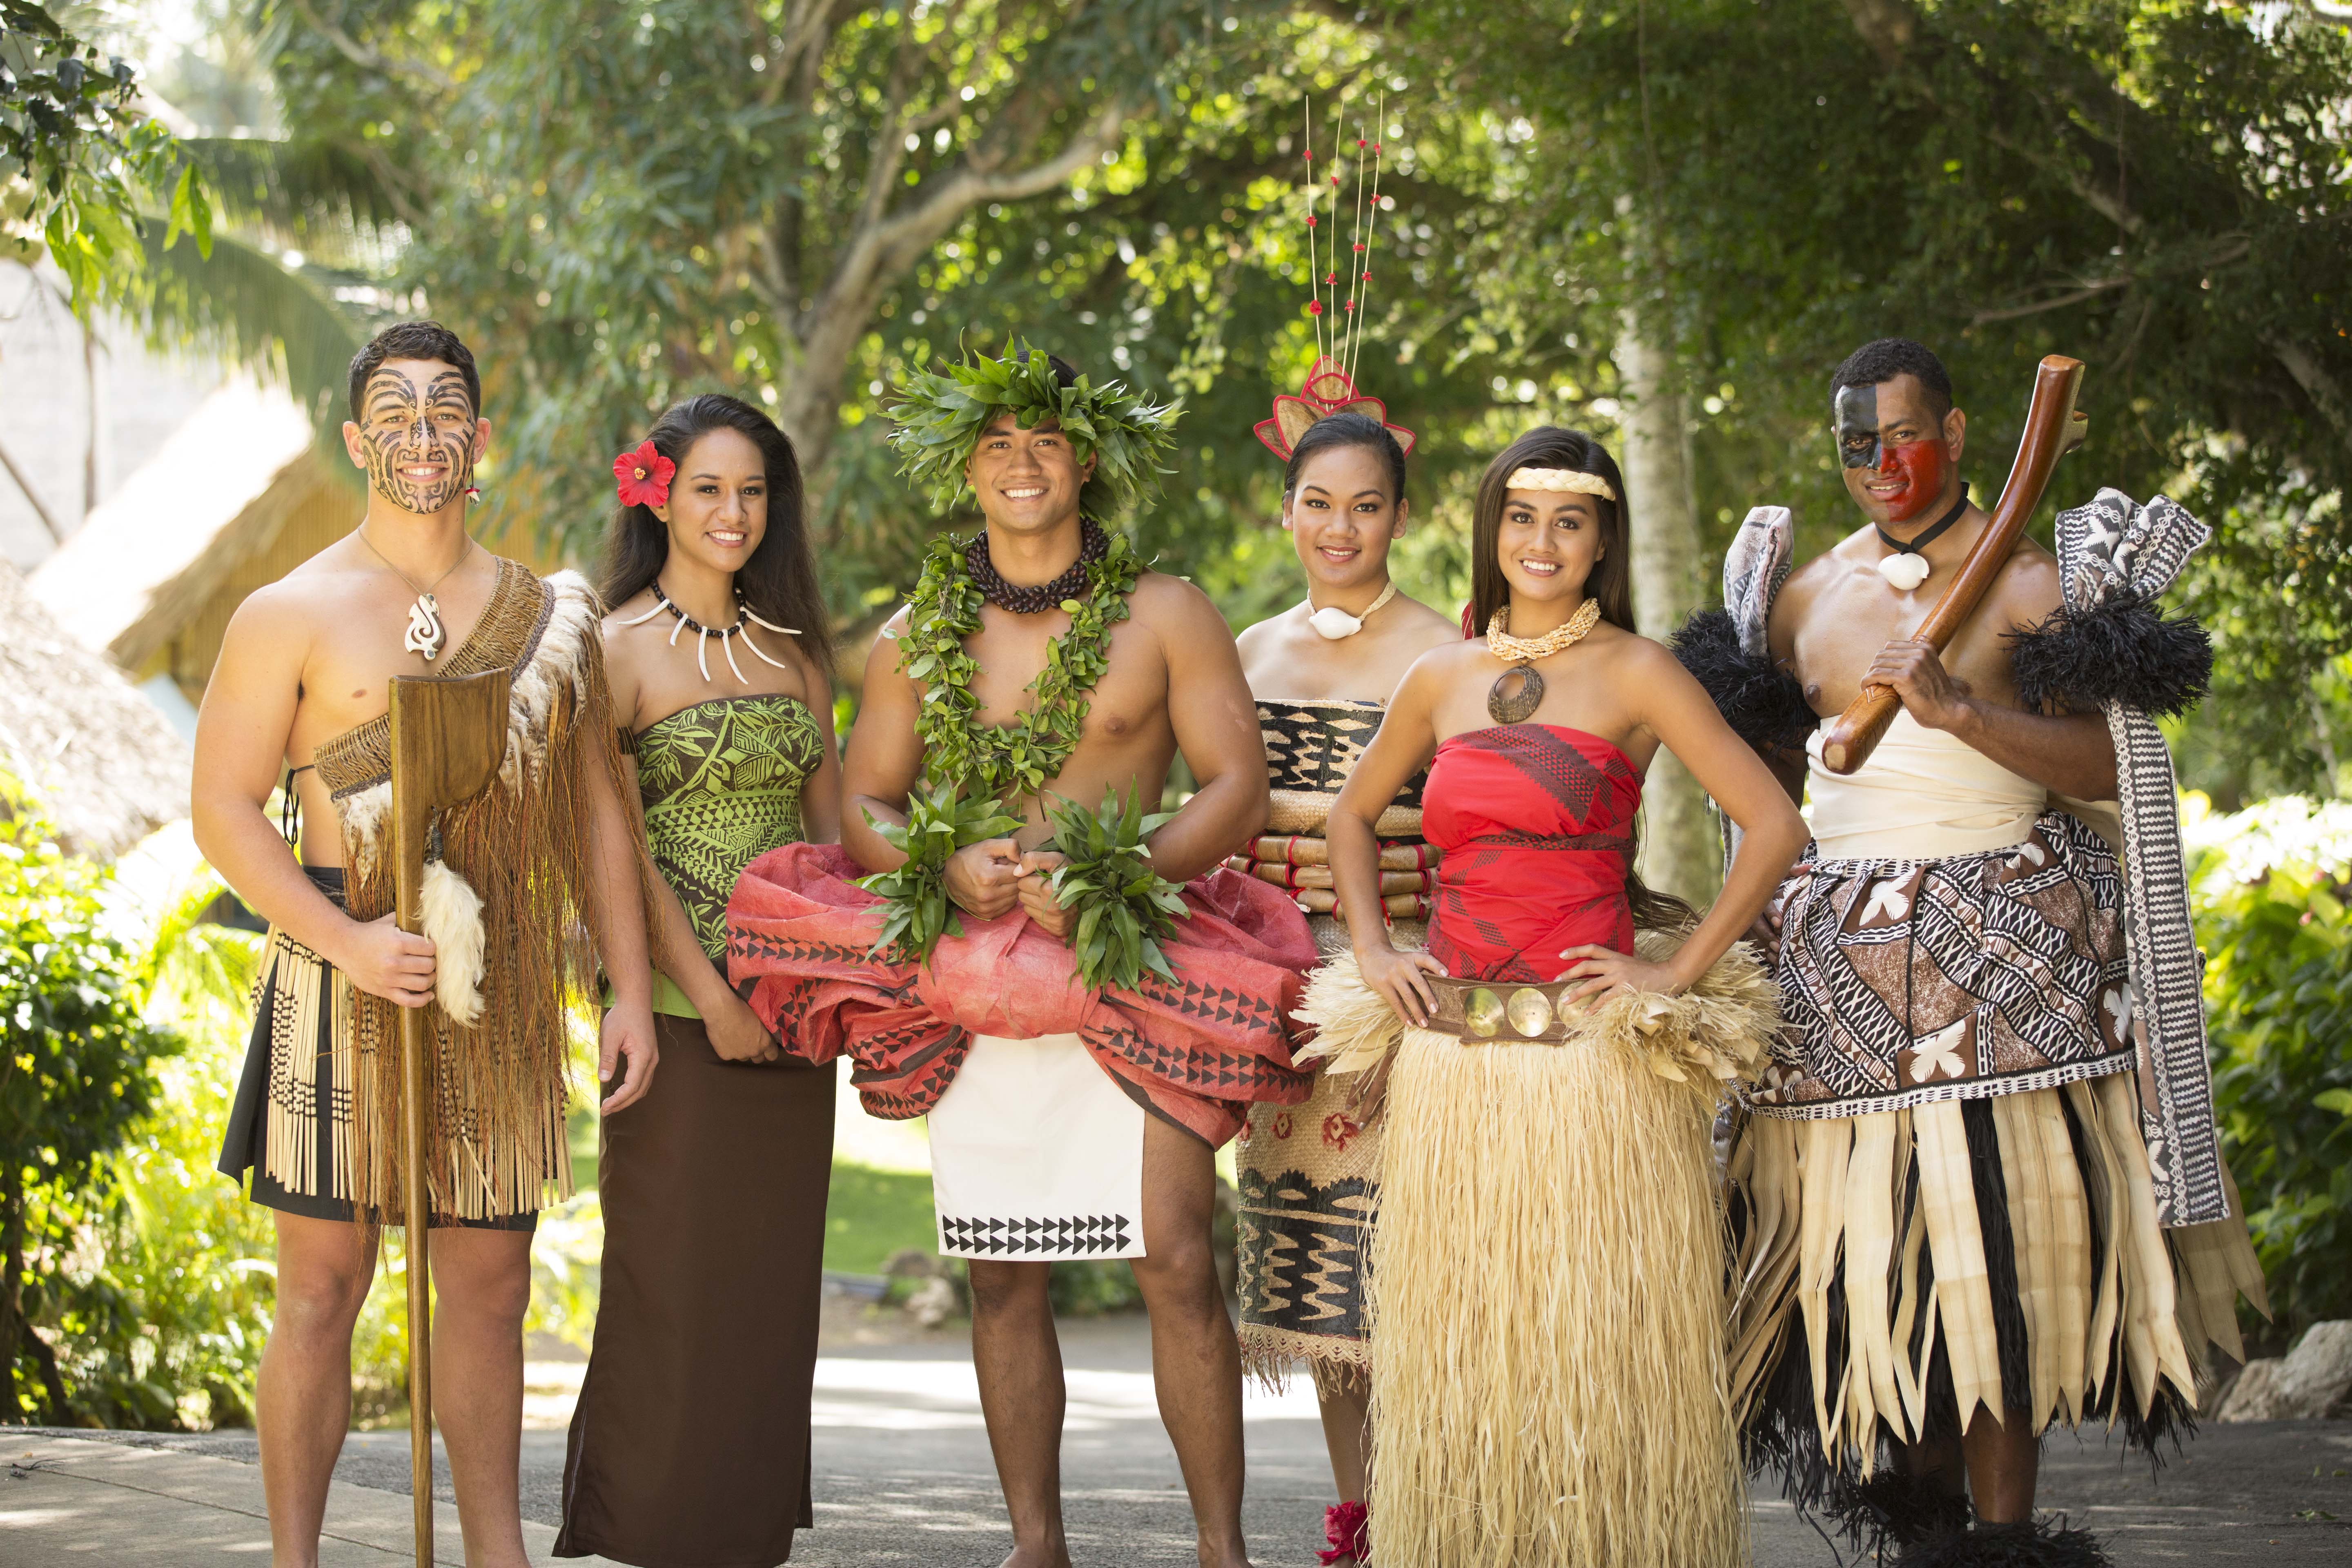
(644, 475)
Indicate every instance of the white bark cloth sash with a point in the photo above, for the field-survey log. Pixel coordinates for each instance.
(2104, 547)
(1036, 1155)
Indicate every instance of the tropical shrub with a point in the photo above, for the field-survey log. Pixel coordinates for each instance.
(77, 1073)
(2268, 889)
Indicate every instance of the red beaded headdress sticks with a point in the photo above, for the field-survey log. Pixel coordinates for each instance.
(1330, 385)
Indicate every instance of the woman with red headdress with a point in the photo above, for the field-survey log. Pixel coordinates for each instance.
(1547, 1272)
(1320, 673)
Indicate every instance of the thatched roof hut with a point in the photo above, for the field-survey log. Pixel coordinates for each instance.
(99, 758)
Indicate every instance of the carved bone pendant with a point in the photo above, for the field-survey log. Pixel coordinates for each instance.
(424, 633)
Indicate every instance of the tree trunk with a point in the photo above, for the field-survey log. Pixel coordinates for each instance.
(1680, 848)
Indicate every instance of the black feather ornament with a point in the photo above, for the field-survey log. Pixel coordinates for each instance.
(2118, 651)
(2044, 1543)
(1762, 702)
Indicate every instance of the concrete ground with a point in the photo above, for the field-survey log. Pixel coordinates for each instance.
(903, 1478)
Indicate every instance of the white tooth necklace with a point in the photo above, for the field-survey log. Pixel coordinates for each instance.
(426, 633)
(1334, 623)
(725, 635)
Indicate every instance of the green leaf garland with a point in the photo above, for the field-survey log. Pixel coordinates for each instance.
(940, 821)
(1124, 907)
(1015, 761)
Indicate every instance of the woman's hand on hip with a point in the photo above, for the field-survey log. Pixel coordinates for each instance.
(1402, 980)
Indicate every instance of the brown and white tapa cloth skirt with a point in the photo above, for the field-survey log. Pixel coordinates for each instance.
(1941, 1196)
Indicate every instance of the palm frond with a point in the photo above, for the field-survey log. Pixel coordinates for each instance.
(247, 307)
(321, 197)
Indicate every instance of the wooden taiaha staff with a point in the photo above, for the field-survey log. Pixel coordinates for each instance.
(448, 740)
(2052, 428)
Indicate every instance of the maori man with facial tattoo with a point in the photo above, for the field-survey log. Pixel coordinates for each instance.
(531, 887)
(1979, 1190)
(1079, 996)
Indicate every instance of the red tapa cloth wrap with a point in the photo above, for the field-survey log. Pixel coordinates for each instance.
(1536, 823)
(799, 930)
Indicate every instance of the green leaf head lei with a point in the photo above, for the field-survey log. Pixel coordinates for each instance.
(939, 416)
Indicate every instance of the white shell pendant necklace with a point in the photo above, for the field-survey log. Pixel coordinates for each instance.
(1334, 623)
(727, 636)
(1907, 567)
(426, 633)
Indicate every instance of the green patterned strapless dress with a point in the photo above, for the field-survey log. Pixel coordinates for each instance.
(721, 785)
(690, 1441)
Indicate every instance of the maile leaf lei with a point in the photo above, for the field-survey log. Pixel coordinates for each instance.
(1124, 907)
(1006, 762)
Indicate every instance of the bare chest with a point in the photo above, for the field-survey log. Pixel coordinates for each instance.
(356, 652)
(1845, 627)
(1127, 704)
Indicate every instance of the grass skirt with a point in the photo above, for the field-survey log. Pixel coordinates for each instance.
(1547, 1290)
(1898, 1271)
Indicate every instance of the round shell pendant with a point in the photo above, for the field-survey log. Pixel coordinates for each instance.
(1904, 572)
(1515, 707)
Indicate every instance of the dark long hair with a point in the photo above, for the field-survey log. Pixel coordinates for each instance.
(1550, 447)
(780, 582)
(1611, 583)
(1347, 429)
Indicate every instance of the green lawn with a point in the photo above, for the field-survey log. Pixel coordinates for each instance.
(872, 1214)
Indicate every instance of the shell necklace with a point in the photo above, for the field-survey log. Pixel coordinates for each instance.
(1334, 623)
(1516, 707)
(426, 633)
(1906, 567)
(702, 634)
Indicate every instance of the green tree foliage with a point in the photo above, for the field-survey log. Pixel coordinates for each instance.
(2269, 888)
(77, 1072)
(2158, 190)
(80, 163)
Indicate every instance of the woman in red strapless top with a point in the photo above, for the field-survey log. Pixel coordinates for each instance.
(1547, 1275)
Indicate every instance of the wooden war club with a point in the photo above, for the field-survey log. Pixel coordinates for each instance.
(2052, 428)
(448, 740)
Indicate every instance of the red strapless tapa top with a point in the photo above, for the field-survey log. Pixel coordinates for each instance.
(1536, 823)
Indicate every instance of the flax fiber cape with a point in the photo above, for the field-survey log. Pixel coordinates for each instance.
(1196, 1053)
(495, 1129)
(1547, 1308)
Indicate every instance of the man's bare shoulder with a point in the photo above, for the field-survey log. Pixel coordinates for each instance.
(2029, 586)
(313, 597)
(1177, 603)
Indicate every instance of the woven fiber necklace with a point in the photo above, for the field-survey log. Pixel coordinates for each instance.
(702, 634)
(1035, 598)
(1516, 706)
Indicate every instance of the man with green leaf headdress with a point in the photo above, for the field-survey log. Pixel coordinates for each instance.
(1065, 980)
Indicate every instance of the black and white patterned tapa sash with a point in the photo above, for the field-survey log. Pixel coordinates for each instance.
(2104, 547)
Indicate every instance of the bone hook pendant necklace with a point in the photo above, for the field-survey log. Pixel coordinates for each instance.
(725, 635)
(426, 633)
(1518, 706)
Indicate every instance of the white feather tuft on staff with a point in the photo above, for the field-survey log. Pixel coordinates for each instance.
(453, 923)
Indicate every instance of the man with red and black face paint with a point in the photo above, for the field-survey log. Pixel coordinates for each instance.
(2012, 1210)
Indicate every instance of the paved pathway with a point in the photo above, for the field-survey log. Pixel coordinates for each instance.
(903, 1478)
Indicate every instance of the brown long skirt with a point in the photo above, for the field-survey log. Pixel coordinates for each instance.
(689, 1448)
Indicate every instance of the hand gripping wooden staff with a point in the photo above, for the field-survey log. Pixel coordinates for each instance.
(2052, 429)
(448, 739)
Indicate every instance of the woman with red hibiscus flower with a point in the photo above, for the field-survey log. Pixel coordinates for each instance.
(689, 1445)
